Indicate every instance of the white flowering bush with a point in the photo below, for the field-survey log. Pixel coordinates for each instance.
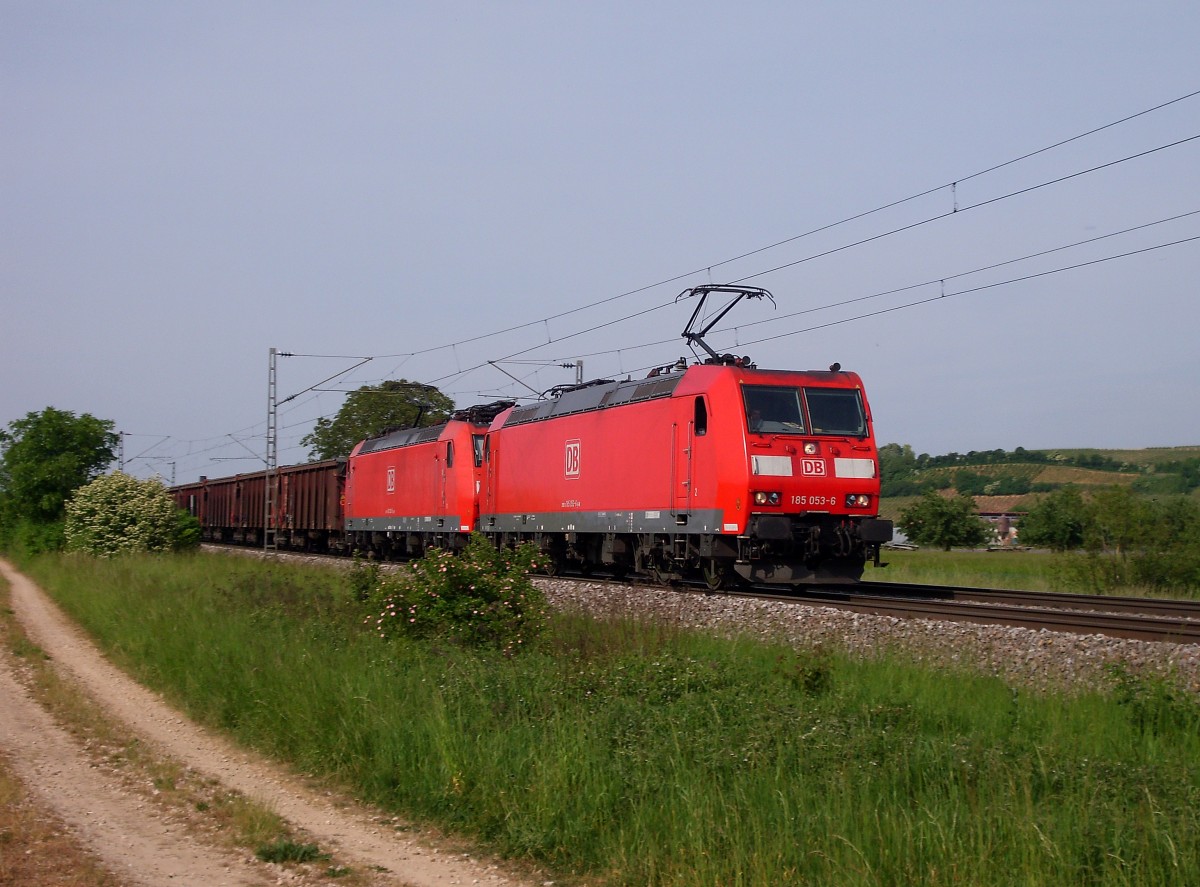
(119, 514)
(482, 597)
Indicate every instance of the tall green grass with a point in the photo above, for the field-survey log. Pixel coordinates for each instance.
(1076, 572)
(640, 754)
(1029, 570)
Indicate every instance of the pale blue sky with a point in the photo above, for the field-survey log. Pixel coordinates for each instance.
(185, 185)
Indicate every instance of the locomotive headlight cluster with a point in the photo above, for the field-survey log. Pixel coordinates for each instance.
(812, 448)
(764, 497)
(857, 500)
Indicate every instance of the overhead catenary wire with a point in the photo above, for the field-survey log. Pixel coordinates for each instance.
(936, 280)
(981, 288)
(863, 241)
(707, 268)
(461, 373)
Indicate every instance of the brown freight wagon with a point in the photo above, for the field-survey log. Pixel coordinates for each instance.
(308, 506)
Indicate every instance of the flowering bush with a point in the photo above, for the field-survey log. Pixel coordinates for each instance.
(119, 514)
(482, 597)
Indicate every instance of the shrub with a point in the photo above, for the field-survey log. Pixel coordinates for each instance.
(1059, 521)
(482, 597)
(188, 532)
(935, 520)
(119, 514)
(1155, 706)
(27, 538)
(363, 579)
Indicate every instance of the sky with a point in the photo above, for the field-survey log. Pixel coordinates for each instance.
(471, 192)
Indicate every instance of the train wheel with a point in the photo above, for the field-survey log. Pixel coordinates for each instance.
(716, 574)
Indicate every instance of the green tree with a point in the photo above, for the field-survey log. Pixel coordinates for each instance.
(1059, 521)
(1169, 556)
(944, 522)
(119, 514)
(1119, 520)
(895, 460)
(44, 458)
(373, 409)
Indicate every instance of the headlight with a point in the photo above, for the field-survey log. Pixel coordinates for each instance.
(857, 500)
(812, 448)
(761, 497)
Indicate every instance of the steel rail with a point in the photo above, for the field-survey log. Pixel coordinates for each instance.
(1186, 609)
(1165, 628)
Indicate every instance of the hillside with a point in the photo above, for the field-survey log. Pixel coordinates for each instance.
(1012, 482)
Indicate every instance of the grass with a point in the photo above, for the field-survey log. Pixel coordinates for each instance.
(636, 754)
(1029, 570)
(290, 851)
(1026, 570)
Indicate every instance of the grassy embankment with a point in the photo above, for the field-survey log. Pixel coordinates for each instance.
(1028, 570)
(645, 755)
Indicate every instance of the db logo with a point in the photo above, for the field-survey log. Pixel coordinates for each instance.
(391, 480)
(572, 458)
(812, 467)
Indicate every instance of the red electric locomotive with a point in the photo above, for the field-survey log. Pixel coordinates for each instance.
(417, 488)
(718, 469)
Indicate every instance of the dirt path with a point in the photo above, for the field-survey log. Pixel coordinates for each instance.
(126, 833)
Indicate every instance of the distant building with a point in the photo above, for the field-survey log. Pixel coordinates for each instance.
(1004, 513)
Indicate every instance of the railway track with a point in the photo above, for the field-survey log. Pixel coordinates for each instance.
(1145, 619)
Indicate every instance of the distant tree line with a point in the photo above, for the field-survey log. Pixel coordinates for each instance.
(904, 473)
(1180, 476)
(1142, 534)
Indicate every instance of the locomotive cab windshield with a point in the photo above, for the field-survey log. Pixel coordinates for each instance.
(779, 409)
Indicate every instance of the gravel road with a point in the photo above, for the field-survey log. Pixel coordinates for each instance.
(145, 845)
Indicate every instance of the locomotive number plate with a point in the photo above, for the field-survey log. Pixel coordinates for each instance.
(814, 500)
